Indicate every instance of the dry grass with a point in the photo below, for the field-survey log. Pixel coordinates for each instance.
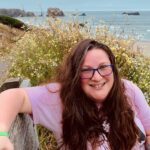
(8, 37)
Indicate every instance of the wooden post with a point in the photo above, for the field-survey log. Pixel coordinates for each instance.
(22, 132)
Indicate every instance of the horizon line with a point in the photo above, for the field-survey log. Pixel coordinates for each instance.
(76, 10)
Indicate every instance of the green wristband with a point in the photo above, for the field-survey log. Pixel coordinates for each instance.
(4, 134)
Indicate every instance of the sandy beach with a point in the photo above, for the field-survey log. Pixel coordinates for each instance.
(143, 46)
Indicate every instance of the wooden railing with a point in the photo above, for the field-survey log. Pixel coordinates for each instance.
(22, 132)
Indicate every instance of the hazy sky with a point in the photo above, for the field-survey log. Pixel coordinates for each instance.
(68, 5)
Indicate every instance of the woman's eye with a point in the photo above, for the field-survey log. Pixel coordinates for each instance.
(103, 66)
(86, 70)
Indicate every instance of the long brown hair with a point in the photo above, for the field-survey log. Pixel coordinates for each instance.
(82, 120)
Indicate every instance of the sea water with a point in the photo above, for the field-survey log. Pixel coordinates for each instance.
(137, 26)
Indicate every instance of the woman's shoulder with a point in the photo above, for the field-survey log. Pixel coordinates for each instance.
(129, 85)
(133, 92)
(45, 94)
(131, 89)
(54, 86)
(48, 87)
(44, 90)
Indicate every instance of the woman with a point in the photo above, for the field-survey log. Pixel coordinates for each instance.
(89, 107)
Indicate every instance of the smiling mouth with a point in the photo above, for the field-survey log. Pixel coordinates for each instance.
(97, 86)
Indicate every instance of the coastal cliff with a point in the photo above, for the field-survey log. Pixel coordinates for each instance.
(16, 13)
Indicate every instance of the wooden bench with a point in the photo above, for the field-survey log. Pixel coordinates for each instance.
(22, 132)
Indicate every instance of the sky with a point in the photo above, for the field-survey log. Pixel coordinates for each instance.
(77, 5)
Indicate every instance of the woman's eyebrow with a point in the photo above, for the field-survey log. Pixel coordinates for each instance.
(104, 63)
(89, 66)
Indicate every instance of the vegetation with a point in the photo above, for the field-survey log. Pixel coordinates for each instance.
(40, 51)
(12, 22)
(8, 38)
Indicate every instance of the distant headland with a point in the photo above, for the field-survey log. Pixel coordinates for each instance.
(51, 12)
(16, 13)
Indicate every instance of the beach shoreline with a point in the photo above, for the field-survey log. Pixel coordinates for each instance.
(143, 46)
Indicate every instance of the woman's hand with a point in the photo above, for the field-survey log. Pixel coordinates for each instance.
(5, 143)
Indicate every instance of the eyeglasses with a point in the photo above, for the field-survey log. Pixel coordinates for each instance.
(103, 70)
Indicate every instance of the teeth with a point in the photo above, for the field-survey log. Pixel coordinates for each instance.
(98, 86)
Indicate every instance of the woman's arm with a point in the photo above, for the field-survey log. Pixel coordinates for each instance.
(143, 111)
(12, 102)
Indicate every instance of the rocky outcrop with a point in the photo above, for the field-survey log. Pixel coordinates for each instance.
(131, 13)
(16, 13)
(53, 12)
(83, 14)
(29, 14)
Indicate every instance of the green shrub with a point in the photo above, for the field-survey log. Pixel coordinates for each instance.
(12, 22)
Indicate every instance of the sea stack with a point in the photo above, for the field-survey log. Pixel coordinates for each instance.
(53, 12)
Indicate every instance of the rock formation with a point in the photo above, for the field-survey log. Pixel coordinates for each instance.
(16, 13)
(83, 14)
(131, 13)
(53, 12)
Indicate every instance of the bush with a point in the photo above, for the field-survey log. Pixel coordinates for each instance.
(41, 50)
(12, 22)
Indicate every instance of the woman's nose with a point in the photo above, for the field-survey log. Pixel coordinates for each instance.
(96, 76)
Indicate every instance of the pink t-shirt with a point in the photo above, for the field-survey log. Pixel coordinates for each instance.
(47, 109)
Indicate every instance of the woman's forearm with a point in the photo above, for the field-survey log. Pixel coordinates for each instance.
(11, 103)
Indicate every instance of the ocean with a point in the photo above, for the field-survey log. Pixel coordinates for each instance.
(137, 26)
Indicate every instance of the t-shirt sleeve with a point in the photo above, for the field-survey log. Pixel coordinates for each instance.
(141, 106)
(46, 109)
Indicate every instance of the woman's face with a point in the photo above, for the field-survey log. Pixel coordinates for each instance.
(98, 86)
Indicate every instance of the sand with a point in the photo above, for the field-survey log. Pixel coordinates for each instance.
(143, 46)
